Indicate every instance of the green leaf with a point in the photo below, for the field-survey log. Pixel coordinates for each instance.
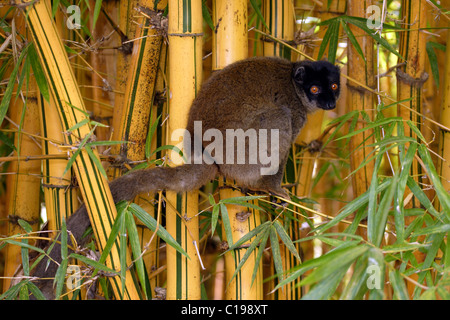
(151, 223)
(402, 247)
(96, 160)
(375, 231)
(398, 285)
(443, 195)
(25, 225)
(353, 40)
(97, 9)
(136, 249)
(39, 74)
(60, 277)
(336, 260)
(260, 241)
(150, 134)
(93, 263)
(331, 37)
(433, 59)
(310, 264)
(226, 224)
(258, 12)
(10, 87)
(214, 218)
(286, 239)
(207, 16)
(276, 254)
(362, 24)
(123, 237)
(353, 206)
(252, 233)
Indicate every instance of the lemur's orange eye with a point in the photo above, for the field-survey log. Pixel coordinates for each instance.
(314, 89)
(334, 86)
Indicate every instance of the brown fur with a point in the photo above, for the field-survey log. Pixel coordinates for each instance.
(257, 93)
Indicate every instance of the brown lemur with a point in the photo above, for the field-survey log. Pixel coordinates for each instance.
(256, 93)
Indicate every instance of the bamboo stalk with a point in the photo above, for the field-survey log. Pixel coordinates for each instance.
(279, 17)
(363, 71)
(71, 109)
(185, 71)
(444, 141)
(134, 125)
(23, 187)
(410, 80)
(412, 48)
(230, 44)
(60, 197)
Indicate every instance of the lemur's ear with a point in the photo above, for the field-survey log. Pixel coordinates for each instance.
(299, 74)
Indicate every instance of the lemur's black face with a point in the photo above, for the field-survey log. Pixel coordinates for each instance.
(320, 83)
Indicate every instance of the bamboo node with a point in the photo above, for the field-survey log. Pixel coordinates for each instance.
(14, 219)
(315, 146)
(406, 78)
(156, 19)
(243, 216)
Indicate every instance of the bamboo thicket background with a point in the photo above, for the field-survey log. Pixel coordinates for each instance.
(92, 89)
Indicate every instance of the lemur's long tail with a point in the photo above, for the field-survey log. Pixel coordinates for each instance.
(180, 179)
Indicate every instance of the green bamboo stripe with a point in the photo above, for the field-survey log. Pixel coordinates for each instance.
(187, 16)
(137, 73)
(83, 160)
(178, 254)
(45, 151)
(44, 61)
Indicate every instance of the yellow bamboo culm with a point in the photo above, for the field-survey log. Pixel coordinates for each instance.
(411, 76)
(362, 101)
(135, 116)
(444, 141)
(185, 75)
(23, 186)
(71, 109)
(230, 44)
(410, 80)
(59, 194)
(279, 17)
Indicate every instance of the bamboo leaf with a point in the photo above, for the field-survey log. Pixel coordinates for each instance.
(226, 224)
(35, 291)
(322, 260)
(252, 233)
(432, 58)
(377, 229)
(207, 15)
(150, 134)
(123, 238)
(60, 277)
(443, 195)
(402, 247)
(249, 251)
(398, 285)
(258, 12)
(97, 9)
(39, 74)
(151, 223)
(362, 24)
(286, 239)
(337, 261)
(136, 249)
(10, 86)
(93, 263)
(352, 206)
(353, 40)
(214, 218)
(96, 160)
(276, 252)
